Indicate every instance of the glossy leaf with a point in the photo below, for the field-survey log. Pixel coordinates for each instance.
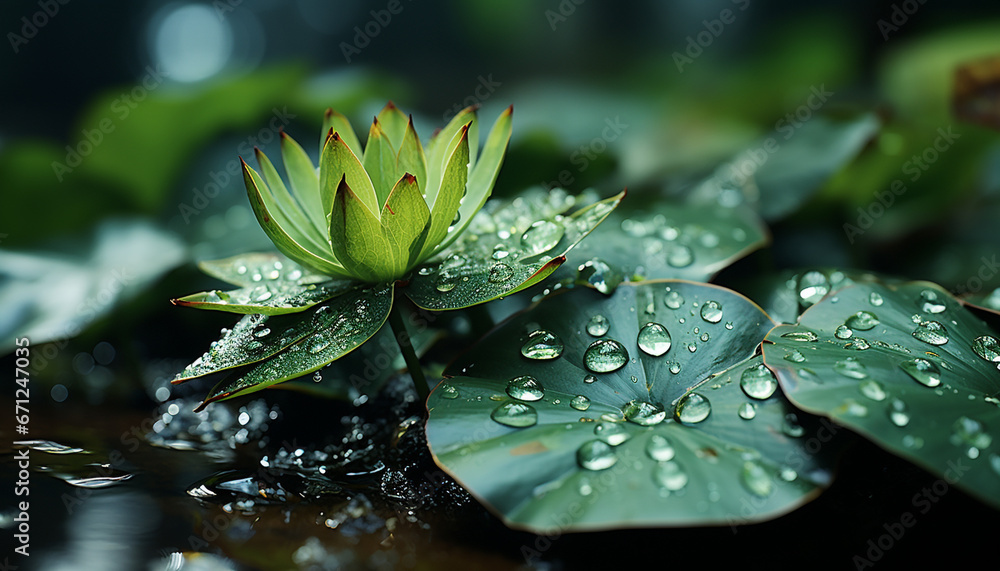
(405, 222)
(303, 179)
(380, 162)
(989, 300)
(512, 247)
(250, 269)
(270, 297)
(446, 202)
(338, 163)
(299, 224)
(357, 237)
(340, 326)
(645, 440)
(914, 372)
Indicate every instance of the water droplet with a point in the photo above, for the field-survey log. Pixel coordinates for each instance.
(872, 389)
(659, 448)
(585, 488)
(756, 479)
(923, 371)
(729, 325)
(448, 391)
(599, 274)
(644, 413)
(693, 408)
(931, 332)
(541, 345)
(318, 343)
(261, 332)
(875, 299)
(804, 336)
(862, 321)
(670, 476)
(795, 357)
(580, 402)
(611, 432)
(851, 368)
(931, 302)
(679, 256)
(654, 339)
(446, 282)
(500, 273)
(675, 367)
(987, 347)
(541, 237)
(525, 388)
(263, 296)
(859, 344)
(425, 271)
(791, 426)
(515, 414)
(970, 432)
(598, 325)
(673, 299)
(596, 455)
(589, 379)
(843, 332)
(711, 311)
(913, 442)
(499, 253)
(747, 411)
(898, 412)
(605, 355)
(758, 382)
(241, 269)
(812, 287)
(317, 377)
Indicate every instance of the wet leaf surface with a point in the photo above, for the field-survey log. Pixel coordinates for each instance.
(553, 427)
(914, 372)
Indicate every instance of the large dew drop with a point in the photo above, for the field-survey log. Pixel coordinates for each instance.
(644, 413)
(931, 302)
(515, 414)
(542, 345)
(803, 336)
(711, 312)
(898, 412)
(598, 325)
(843, 332)
(851, 368)
(670, 476)
(693, 408)
(862, 321)
(580, 402)
(541, 237)
(758, 382)
(923, 371)
(659, 448)
(872, 389)
(812, 287)
(500, 273)
(747, 411)
(931, 332)
(987, 347)
(605, 355)
(679, 256)
(611, 432)
(525, 388)
(596, 455)
(654, 339)
(756, 480)
(673, 299)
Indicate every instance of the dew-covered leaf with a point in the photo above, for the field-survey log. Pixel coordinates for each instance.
(270, 297)
(578, 414)
(340, 326)
(508, 247)
(905, 366)
(665, 240)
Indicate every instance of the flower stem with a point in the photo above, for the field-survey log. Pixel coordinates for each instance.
(409, 355)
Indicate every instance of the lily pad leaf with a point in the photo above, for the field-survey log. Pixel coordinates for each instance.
(646, 407)
(507, 248)
(270, 297)
(340, 326)
(907, 367)
(253, 268)
(679, 241)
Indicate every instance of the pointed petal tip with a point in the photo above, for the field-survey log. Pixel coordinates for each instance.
(409, 178)
(202, 406)
(389, 105)
(328, 113)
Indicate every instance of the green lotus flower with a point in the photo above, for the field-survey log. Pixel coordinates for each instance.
(366, 223)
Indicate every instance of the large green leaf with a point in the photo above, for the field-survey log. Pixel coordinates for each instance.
(907, 367)
(339, 163)
(988, 300)
(340, 326)
(357, 237)
(252, 268)
(270, 297)
(509, 247)
(405, 221)
(666, 438)
(446, 201)
(665, 240)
